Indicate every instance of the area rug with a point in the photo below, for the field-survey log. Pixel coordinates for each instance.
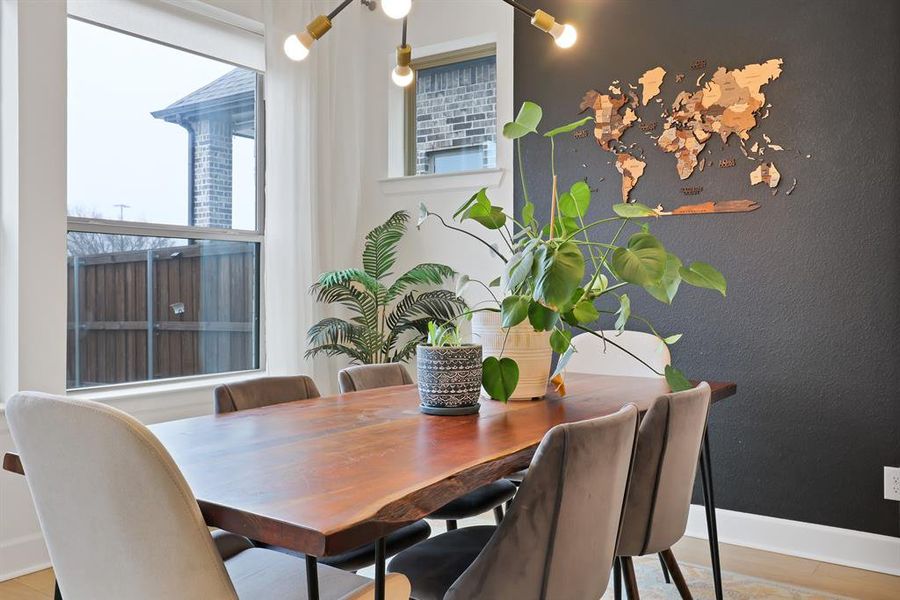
(652, 586)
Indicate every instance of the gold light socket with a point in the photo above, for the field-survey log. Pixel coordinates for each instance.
(543, 21)
(319, 26)
(404, 55)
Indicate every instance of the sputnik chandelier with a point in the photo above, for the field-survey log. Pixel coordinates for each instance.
(297, 45)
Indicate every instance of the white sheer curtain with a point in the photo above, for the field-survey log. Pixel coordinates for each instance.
(314, 124)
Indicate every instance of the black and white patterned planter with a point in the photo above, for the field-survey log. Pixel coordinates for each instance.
(449, 379)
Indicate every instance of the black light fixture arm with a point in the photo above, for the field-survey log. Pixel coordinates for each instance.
(337, 10)
(403, 36)
(520, 7)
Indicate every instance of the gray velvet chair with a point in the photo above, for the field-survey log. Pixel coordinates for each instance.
(267, 391)
(487, 497)
(121, 522)
(659, 496)
(559, 537)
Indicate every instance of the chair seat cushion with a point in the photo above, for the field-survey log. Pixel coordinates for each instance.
(476, 502)
(228, 544)
(364, 556)
(435, 564)
(259, 574)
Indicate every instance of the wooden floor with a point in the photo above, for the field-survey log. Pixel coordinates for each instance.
(825, 577)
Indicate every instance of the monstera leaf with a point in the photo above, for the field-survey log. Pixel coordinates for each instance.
(526, 121)
(700, 274)
(499, 377)
(642, 262)
(559, 272)
(576, 201)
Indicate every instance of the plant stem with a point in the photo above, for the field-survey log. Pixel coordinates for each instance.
(606, 254)
(521, 169)
(609, 341)
(470, 234)
(553, 196)
(590, 225)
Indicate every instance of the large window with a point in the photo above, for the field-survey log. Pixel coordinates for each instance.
(452, 113)
(165, 211)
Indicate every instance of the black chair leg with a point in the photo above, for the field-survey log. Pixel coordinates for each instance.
(617, 578)
(508, 505)
(662, 563)
(57, 595)
(630, 580)
(451, 525)
(672, 565)
(498, 514)
(710, 508)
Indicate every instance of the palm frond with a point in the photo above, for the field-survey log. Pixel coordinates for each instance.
(423, 274)
(380, 251)
(347, 276)
(360, 302)
(406, 351)
(355, 355)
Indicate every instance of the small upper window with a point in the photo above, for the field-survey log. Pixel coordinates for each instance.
(452, 113)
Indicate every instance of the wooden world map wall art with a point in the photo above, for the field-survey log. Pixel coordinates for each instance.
(731, 102)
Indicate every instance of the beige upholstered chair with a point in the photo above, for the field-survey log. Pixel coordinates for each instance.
(368, 377)
(559, 537)
(121, 523)
(263, 391)
(659, 497)
(487, 497)
(267, 391)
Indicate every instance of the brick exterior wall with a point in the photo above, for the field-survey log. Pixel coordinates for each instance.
(212, 173)
(456, 107)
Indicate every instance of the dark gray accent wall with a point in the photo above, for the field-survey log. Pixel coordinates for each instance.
(810, 329)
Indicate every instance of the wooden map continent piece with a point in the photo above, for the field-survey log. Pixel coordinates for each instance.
(707, 208)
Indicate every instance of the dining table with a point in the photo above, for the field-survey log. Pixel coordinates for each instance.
(326, 475)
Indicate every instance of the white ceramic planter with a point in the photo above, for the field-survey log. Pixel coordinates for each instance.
(529, 348)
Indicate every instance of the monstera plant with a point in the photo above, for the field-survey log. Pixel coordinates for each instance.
(560, 278)
(388, 319)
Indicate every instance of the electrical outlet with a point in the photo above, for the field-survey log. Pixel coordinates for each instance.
(892, 483)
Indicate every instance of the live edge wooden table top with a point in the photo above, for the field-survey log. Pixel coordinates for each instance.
(326, 475)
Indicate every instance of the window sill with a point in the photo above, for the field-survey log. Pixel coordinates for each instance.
(443, 182)
(146, 390)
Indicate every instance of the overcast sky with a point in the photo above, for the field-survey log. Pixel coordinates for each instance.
(117, 152)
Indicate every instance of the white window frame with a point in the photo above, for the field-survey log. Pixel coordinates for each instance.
(139, 18)
(438, 59)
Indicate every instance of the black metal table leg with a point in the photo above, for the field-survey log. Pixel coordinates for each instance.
(617, 578)
(710, 505)
(57, 595)
(380, 551)
(312, 578)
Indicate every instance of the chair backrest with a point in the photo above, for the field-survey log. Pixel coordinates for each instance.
(558, 539)
(368, 377)
(665, 463)
(263, 391)
(119, 519)
(593, 355)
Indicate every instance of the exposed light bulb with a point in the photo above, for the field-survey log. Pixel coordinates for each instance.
(565, 36)
(396, 9)
(297, 46)
(402, 76)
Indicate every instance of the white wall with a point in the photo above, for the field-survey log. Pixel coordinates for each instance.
(434, 26)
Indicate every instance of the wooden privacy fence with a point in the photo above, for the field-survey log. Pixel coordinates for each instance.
(165, 312)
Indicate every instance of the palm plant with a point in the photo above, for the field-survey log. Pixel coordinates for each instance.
(387, 321)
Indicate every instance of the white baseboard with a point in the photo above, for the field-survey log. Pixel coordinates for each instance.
(857, 549)
(23, 555)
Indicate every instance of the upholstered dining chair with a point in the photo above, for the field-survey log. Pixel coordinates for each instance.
(121, 523)
(662, 480)
(594, 356)
(559, 533)
(268, 391)
(487, 497)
